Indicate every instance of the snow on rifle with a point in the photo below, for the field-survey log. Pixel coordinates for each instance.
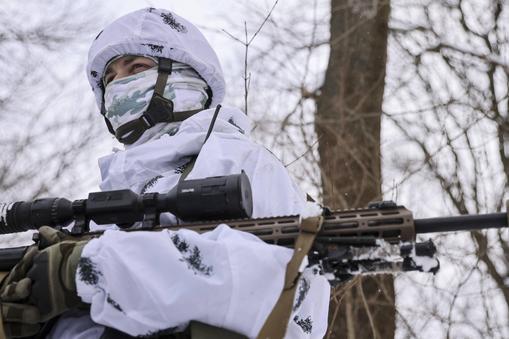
(379, 238)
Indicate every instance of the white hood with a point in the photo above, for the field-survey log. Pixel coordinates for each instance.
(157, 33)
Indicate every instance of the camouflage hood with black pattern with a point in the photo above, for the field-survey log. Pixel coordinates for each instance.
(155, 33)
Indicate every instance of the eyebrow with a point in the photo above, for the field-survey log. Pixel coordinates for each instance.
(126, 60)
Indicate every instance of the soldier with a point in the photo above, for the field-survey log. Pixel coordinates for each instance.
(158, 84)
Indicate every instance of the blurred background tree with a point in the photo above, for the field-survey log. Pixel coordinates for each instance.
(48, 129)
(439, 144)
(347, 123)
(444, 139)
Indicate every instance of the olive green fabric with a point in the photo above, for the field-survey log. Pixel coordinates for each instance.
(41, 286)
(53, 279)
(19, 320)
(277, 322)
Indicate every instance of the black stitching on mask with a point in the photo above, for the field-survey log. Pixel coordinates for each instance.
(98, 35)
(93, 74)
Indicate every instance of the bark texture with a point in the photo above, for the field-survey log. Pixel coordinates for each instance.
(348, 127)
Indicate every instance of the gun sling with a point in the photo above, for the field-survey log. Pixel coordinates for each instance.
(277, 322)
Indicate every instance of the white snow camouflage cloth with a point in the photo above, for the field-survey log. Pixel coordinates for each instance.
(146, 282)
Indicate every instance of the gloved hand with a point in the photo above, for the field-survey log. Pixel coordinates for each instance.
(42, 285)
(19, 320)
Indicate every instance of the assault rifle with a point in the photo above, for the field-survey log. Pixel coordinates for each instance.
(379, 238)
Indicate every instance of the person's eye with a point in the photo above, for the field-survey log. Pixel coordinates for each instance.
(139, 68)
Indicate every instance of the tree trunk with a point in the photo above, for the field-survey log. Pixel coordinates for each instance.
(348, 127)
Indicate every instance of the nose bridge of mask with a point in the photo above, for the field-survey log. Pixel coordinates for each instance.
(138, 79)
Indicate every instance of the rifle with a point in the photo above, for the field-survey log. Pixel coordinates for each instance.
(379, 238)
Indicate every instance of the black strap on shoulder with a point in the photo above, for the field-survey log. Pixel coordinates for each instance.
(212, 123)
(209, 94)
(190, 165)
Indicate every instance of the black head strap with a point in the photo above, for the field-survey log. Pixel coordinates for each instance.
(158, 110)
(131, 131)
(209, 100)
(108, 123)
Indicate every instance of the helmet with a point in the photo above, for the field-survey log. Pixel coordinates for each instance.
(165, 36)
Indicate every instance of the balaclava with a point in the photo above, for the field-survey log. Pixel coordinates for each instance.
(184, 56)
(127, 99)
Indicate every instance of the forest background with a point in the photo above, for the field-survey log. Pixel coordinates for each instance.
(403, 100)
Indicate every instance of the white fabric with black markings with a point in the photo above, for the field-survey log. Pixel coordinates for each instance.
(156, 33)
(145, 282)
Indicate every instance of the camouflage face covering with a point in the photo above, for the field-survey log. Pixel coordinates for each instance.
(128, 98)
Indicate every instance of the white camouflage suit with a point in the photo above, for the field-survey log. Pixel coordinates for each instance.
(143, 283)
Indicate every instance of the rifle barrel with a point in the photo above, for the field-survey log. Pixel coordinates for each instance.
(287, 228)
(461, 223)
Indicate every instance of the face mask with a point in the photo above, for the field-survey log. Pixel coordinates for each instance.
(128, 98)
